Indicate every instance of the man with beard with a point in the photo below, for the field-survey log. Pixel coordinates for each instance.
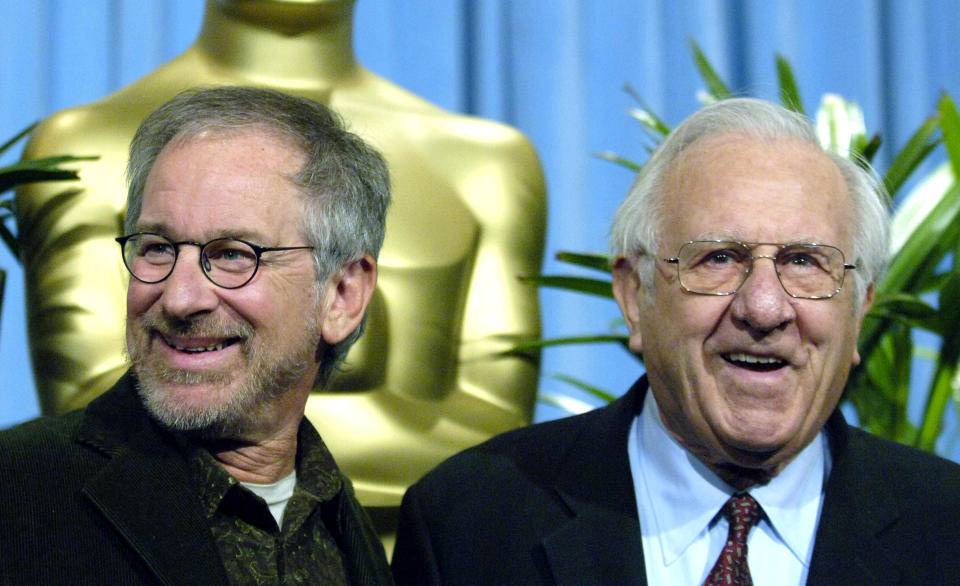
(745, 261)
(253, 225)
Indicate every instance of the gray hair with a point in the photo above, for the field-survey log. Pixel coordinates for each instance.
(345, 181)
(637, 223)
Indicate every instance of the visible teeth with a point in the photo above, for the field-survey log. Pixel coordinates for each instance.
(752, 358)
(219, 346)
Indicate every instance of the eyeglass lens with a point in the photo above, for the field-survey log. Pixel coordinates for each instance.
(719, 268)
(227, 262)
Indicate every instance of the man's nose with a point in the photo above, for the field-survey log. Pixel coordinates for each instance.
(188, 291)
(761, 301)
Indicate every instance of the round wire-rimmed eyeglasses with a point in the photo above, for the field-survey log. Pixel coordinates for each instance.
(229, 263)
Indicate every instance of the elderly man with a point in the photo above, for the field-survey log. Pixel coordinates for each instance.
(254, 221)
(746, 258)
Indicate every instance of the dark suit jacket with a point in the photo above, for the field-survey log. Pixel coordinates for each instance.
(554, 504)
(102, 496)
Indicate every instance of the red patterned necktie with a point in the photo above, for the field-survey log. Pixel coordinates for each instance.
(742, 512)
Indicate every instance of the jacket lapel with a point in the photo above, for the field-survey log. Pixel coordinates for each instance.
(598, 546)
(847, 549)
(144, 491)
(362, 552)
(601, 543)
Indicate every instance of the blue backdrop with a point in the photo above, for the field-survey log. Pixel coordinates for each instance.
(552, 68)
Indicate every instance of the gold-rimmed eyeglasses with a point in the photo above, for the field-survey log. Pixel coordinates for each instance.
(228, 262)
(720, 267)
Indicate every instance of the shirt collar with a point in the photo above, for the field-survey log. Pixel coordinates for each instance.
(685, 495)
(318, 478)
(317, 472)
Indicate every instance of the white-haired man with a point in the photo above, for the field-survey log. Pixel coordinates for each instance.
(746, 258)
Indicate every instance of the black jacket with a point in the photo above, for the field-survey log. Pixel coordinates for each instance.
(554, 504)
(102, 496)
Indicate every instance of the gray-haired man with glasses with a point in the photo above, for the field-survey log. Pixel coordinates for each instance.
(745, 263)
(253, 226)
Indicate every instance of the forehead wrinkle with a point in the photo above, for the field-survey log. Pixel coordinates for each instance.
(164, 229)
(736, 236)
(688, 168)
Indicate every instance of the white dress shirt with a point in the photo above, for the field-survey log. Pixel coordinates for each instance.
(679, 500)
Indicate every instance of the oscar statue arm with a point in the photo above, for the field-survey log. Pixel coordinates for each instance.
(506, 193)
(75, 281)
(74, 278)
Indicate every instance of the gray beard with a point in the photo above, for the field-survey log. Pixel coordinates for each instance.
(267, 378)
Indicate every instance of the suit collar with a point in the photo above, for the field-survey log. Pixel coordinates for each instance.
(143, 490)
(601, 541)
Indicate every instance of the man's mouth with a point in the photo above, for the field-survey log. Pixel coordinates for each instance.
(190, 348)
(755, 362)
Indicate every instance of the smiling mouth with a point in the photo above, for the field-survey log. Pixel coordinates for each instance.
(754, 361)
(200, 349)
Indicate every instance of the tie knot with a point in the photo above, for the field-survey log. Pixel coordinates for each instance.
(742, 511)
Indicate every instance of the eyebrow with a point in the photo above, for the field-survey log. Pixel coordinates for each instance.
(157, 227)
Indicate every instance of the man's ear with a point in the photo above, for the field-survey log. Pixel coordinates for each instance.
(864, 309)
(626, 290)
(348, 294)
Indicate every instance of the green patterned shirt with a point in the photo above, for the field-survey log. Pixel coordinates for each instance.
(253, 549)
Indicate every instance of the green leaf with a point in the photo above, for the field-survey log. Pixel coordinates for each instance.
(33, 171)
(46, 162)
(3, 285)
(950, 123)
(651, 125)
(869, 150)
(917, 206)
(905, 304)
(11, 179)
(601, 394)
(643, 114)
(889, 375)
(789, 92)
(908, 310)
(931, 323)
(944, 379)
(528, 346)
(617, 159)
(599, 262)
(923, 248)
(918, 147)
(715, 86)
(17, 138)
(910, 270)
(596, 287)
